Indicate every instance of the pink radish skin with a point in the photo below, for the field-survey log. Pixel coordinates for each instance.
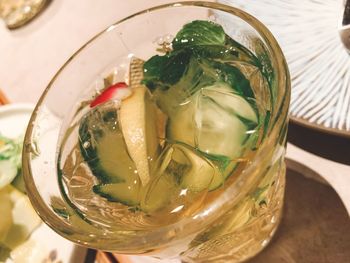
(118, 91)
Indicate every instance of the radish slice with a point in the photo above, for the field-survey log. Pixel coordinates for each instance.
(117, 91)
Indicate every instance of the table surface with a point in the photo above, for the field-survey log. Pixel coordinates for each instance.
(306, 232)
(31, 55)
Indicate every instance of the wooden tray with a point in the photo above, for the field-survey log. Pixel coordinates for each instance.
(315, 227)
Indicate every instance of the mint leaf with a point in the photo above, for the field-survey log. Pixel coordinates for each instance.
(199, 73)
(244, 53)
(153, 71)
(199, 32)
(202, 55)
(233, 77)
(208, 39)
(163, 71)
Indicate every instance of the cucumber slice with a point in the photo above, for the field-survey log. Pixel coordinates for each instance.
(180, 167)
(158, 193)
(215, 121)
(103, 149)
(202, 171)
(8, 171)
(119, 147)
(197, 173)
(218, 123)
(125, 193)
(223, 94)
(114, 160)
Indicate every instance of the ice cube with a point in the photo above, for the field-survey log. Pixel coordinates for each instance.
(180, 181)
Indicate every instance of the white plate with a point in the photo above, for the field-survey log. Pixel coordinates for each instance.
(14, 119)
(307, 32)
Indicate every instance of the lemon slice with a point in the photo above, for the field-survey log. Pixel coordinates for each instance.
(138, 120)
(140, 135)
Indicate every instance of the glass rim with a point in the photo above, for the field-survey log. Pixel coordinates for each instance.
(42, 208)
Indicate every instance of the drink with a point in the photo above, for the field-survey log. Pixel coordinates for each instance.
(164, 146)
(179, 157)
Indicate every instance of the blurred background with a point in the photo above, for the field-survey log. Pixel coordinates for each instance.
(32, 54)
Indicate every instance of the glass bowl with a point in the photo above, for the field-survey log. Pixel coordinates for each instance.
(139, 35)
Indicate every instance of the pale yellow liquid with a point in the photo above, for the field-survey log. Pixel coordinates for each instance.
(239, 234)
(246, 226)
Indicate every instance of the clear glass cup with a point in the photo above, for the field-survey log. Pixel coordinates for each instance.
(243, 216)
